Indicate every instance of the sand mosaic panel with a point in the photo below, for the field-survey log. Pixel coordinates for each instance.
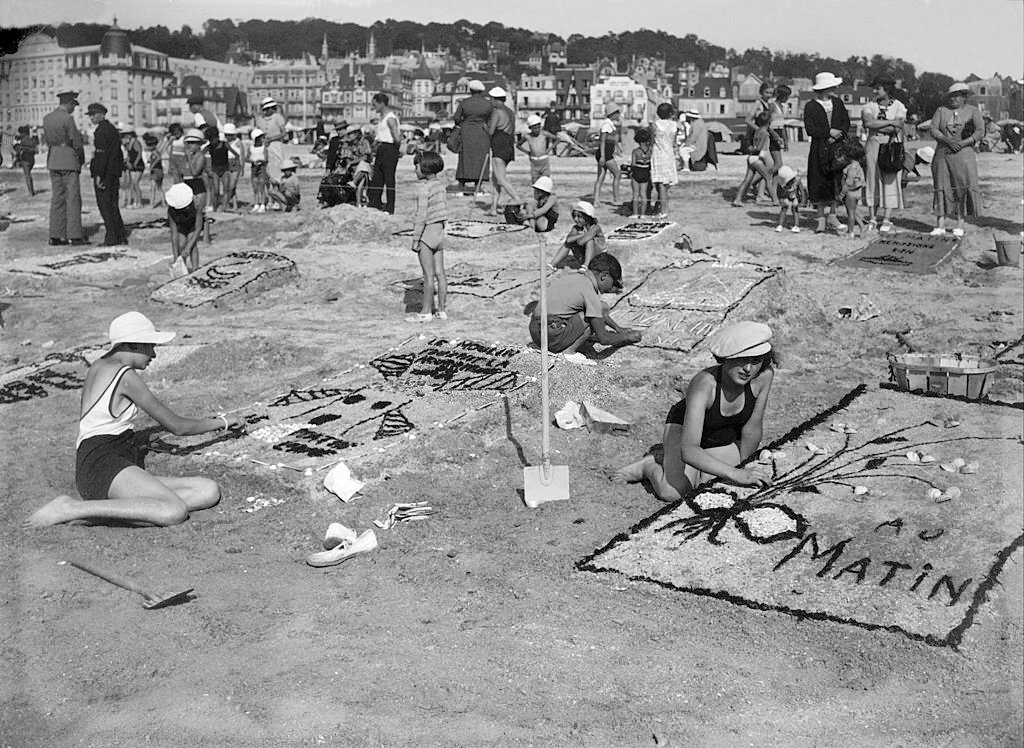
(889, 512)
(470, 229)
(430, 383)
(85, 264)
(483, 283)
(639, 230)
(910, 252)
(677, 306)
(227, 278)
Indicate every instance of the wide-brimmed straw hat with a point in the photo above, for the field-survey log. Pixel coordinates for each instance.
(741, 340)
(824, 81)
(179, 196)
(134, 327)
(958, 87)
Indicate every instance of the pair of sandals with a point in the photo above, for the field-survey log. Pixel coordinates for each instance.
(957, 232)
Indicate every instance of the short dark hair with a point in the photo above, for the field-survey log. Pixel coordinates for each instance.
(853, 149)
(430, 162)
(783, 92)
(606, 263)
(175, 128)
(665, 110)
(766, 86)
(762, 118)
(381, 98)
(643, 135)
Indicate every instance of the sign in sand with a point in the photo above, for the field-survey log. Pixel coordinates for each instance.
(883, 515)
(65, 370)
(913, 253)
(227, 278)
(469, 229)
(639, 230)
(679, 305)
(91, 263)
(470, 281)
(371, 406)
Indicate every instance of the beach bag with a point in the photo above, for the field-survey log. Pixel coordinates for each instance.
(514, 214)
(890, 156)
(835, 159)
(455, 140)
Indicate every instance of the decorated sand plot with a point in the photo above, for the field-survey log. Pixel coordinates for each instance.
(482, 283)
(470, 229)
(94, 263)
(228, 278)
(889, 511)
(65, 370)
(677, 306)
(639, 230)
(372, 406)
(913, 253)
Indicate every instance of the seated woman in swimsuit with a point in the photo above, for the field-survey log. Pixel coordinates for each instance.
(718, 424)
(109, 471)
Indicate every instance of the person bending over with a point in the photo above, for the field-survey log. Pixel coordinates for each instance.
(576, 314)
(109, 471)
(718, 424)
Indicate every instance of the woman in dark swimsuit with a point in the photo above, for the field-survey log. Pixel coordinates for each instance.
(718, 424)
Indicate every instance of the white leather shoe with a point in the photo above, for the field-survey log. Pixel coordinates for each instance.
(365, 542)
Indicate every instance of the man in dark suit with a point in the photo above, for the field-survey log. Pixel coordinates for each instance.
(64, 159)
(106, 167)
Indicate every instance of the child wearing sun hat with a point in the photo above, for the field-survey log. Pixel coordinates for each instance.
(584, 241)
(719, 423)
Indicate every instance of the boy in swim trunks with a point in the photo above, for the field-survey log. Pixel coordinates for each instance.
(718, 424)
(538, 144)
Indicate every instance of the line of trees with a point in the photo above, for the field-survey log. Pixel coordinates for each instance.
(220, 37)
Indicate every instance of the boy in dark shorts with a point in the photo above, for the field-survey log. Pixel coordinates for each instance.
(576, 314)
(186, 223)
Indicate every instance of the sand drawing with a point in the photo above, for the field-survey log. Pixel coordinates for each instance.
(882, 515)
(639, 230)
(88, 263)
(470, 229)
(471, 281)
(225, 278)
(429, 384)
(911, 252)
(679, 305)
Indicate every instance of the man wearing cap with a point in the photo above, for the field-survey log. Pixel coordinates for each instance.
(501, 127)
(64, 160)
(105, 169)
(274, 127)
(576, 314)
(695, 147)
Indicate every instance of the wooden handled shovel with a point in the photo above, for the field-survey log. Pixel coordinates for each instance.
(545, 482)
(150, 601)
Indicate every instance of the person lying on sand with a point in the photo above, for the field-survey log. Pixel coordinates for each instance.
(109, 471)
(576, 314)
(718, 424)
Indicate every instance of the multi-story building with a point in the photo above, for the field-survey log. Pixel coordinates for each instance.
(620, 93)
(711, 96)
(296, 85)
(987, 94)
(213, 73)
(121, 76)
(228, 103)
(534, 93)
(686, 77)
(424, 81)
(572, 90)
(748, 91)
(350, 96)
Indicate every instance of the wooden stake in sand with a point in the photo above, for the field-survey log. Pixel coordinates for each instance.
(546, 482)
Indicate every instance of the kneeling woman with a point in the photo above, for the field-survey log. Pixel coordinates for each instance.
(109, 469)
(718, 424)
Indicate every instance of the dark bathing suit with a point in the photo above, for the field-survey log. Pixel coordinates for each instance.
(719, 430)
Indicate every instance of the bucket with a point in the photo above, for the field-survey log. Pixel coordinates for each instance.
(1008, 252)
(943, 374)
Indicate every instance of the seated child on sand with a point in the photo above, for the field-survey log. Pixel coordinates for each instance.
(109, 472)
(584, 241)
(542, 211)
(718, 424)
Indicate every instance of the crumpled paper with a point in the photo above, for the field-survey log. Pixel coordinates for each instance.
(340, 482)
(569, 416)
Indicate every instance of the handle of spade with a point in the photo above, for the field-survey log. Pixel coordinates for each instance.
(545, 451)
(117, 581)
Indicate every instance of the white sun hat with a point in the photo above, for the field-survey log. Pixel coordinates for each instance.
(533, 120)
(545, 184)
(585, 208)
(786, 173)
(823, 81)
(230, 129)
(497, 92)
(268, 102)
(134, 327)
(179, 196)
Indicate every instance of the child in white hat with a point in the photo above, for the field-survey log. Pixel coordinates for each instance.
(538, 145)
(584, 241)
(718, 424)
(186, 223)
(788, 191)
(258, 171)
(110, 472)
(542, 211)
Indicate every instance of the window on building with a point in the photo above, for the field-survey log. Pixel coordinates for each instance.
(707, 92)
(847, 98)
(982, 91)
(721, 108)
(721, 92)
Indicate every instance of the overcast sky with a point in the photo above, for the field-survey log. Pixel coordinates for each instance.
(956, 37)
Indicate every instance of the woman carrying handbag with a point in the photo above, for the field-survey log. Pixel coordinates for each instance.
(883, 120)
